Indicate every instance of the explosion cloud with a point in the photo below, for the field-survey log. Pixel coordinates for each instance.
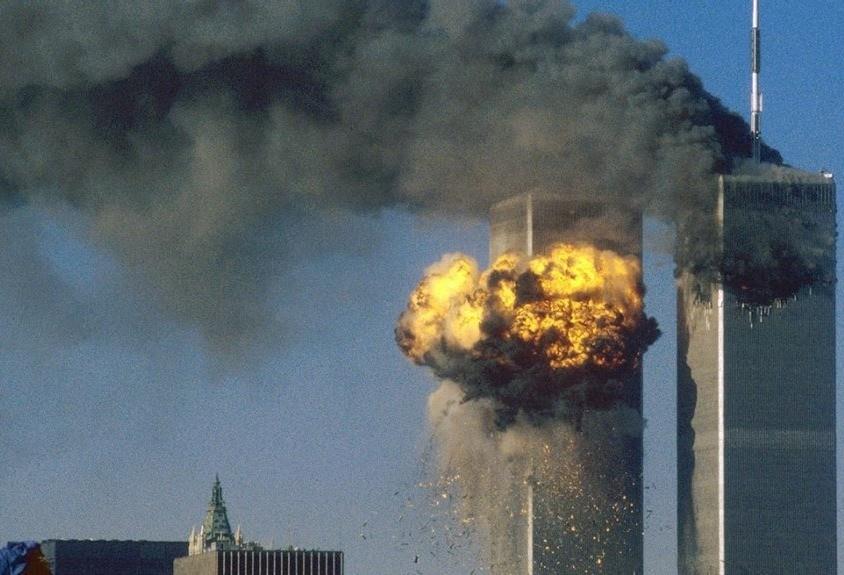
(529, 332)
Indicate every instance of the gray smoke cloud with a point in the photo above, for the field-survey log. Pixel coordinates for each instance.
(193, 135)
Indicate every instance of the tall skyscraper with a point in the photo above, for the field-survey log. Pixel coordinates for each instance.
(756, 375)
(591, 524)
(756, 392)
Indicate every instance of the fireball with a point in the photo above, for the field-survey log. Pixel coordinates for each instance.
(574, 311)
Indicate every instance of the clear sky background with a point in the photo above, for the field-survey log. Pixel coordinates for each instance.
(107, 431)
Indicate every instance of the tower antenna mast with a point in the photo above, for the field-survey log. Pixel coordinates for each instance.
(755, 93)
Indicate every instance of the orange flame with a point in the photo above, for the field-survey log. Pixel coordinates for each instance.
(574, 307)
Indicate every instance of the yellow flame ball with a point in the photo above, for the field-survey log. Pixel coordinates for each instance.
(575, 306)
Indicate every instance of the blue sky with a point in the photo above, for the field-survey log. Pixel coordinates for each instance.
(113, 429)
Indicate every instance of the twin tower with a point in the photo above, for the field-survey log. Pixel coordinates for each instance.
(756, 472)
(755, 387)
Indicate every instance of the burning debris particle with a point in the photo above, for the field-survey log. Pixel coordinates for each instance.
(529, 333)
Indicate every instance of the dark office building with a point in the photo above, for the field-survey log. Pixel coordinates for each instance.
(88, 557)
(289, 562)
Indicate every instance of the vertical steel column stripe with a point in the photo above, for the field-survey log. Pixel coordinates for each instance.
(530, 527)
(529, 224)
(721, 430)
(721, 435)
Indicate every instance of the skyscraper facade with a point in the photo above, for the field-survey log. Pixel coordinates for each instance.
(756, 390)
(593, 522)
(261, 562)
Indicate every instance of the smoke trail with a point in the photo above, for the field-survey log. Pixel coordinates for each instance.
(192, 134)
(205, 140)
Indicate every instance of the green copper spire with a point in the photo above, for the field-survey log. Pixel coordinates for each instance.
(215, 526)
(216, 533)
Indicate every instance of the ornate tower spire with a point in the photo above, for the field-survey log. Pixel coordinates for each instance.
(217, 531)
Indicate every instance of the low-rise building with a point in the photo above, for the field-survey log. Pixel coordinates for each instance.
(100, 557)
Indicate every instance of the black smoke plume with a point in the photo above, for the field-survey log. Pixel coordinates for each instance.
(192, 135)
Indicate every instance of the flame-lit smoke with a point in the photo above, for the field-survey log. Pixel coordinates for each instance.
(530, 332)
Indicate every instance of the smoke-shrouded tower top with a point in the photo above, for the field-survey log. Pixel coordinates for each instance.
(755, 93)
